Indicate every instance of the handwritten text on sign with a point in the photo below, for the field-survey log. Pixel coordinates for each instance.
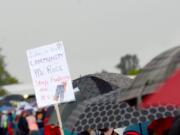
(50, 74)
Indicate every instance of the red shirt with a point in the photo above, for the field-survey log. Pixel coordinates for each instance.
(51, 130)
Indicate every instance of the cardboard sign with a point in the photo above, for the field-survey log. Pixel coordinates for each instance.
(50, 74)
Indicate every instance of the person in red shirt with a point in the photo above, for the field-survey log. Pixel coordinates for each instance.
(52, 130)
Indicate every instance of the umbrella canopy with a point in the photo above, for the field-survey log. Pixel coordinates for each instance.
(13, 98)
(100, 83)
(153, 74)
(115, 79)
(2, 102)
(6, 108)
(9, 100)
(168, 93)
(91, 86)
(106, 111)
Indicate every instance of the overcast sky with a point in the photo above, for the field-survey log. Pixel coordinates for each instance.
(96, 33)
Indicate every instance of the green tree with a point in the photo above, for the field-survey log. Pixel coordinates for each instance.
(129, 65)
(5, 77)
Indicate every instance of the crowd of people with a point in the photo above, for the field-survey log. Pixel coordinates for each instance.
(27, 123)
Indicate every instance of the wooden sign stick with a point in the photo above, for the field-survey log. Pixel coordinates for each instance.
(59, 118)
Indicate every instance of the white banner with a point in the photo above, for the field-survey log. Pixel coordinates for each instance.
(50, 74)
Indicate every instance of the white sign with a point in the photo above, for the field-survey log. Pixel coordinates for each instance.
(50, 74)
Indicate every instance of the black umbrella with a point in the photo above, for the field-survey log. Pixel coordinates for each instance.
(91, 86)
(108, 112)
(13, 98)
(99, 83)
(134, 115)
(7, 100)
(3, 102)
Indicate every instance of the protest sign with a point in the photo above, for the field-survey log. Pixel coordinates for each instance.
(50, 74)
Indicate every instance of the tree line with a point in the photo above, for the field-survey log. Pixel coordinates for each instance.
(129, 65)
